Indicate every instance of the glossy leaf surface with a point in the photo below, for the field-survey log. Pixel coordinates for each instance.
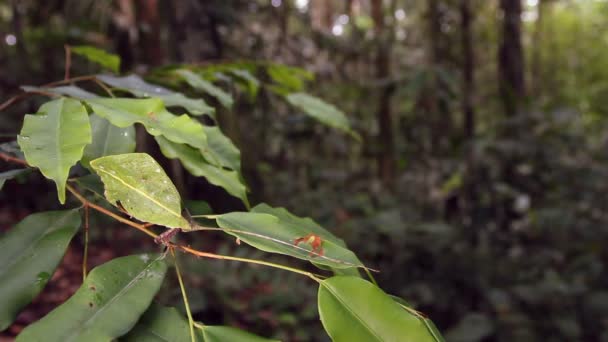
(194, 162)
(54, 139)
(108, 139)
(106, 306)
(353, 309)
(138, 183)
(140, 88)
(29, 254)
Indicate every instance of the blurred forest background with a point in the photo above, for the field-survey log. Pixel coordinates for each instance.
(478, 188)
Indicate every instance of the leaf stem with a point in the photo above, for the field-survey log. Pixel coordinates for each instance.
(11, 159)
(68, 61)
(247, 260)
(184, 295)
(109, 213)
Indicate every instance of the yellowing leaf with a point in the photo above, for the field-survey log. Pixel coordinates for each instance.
(143, 189)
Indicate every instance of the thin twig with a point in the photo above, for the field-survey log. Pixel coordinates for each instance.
(68, 61)
(12, 100)
(22, 96)
(104, 87)
(69, 80)
(11, 159)
(109, 213)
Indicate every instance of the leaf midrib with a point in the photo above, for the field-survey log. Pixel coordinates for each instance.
(141, 193)
(354, 314)
(103, 307)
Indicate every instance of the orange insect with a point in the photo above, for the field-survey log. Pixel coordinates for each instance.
(152, 116)
(315, 242)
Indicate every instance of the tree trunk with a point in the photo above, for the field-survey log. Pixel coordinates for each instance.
(386, 156)
(149, 20)
(468, 60)
(536, 71)
(511, 58)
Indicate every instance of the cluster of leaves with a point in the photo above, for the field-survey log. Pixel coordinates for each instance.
(116, 298)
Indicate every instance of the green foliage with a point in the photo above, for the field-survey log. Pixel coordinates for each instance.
(197, 82)
(114, 302)
(108, 140)
(30, 252)
(277, 235)
(101, 57)
(139, 88)
(107, 305)
(322, 112)
(197, 165)
(353, 309)
(137, 183)
(53, 140)
(160, 324)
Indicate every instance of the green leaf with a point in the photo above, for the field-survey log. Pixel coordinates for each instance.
(288, 79)
(220, 150)
(71, 91)
(140, 88)
(91, 182)
(253, 84)
(224, 334)
(124, 112)
(106, 306)
(433, 330)
(162, 324)
(141, 186)
(54, 139)
(353, 309)
(321, 111)
(4, 176)
(29, 254)
(95, 55)
(308, 226)
(278, 234)
(197, 82)
(194, 162)
(198, 207)
(108, 140)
